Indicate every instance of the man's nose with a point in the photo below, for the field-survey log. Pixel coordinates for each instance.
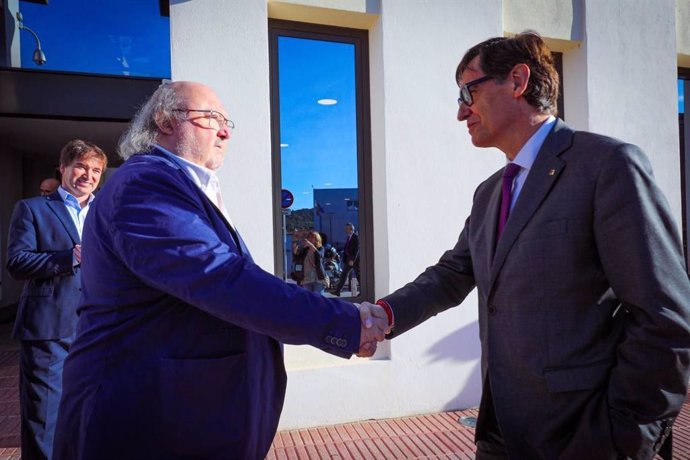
(463, 112)
(224, 133)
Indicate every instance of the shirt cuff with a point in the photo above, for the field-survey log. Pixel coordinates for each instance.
(389, 311)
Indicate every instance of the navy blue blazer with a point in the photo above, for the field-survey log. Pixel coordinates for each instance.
(177, 353)
(41, 238)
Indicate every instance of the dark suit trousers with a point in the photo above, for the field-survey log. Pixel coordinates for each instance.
(345, 275)
(491, 446)
(40, 388)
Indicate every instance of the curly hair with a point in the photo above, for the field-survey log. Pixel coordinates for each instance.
(143, 131)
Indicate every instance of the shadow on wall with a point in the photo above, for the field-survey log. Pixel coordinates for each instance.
(461, 346)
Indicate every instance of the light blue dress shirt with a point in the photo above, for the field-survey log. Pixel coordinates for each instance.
(526, 156)
(76, 212)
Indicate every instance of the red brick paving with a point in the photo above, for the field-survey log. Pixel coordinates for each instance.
(430, 436)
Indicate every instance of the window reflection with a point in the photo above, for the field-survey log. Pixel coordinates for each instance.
(319, 167)
(124, 37)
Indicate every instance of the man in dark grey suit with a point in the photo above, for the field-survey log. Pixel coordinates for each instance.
(583, 297)
(45, 250)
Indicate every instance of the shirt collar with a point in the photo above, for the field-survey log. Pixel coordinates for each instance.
(201, 176)
(67, 197)
(528, 153)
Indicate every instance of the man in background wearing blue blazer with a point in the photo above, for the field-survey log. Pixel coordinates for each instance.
(584, 301)
(178, 351)
(45, 250)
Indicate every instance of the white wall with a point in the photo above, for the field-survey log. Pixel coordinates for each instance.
(224, 44)
(683, 32)
(425, 169)
(633, 83)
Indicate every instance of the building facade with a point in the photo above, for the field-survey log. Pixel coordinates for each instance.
(621, 60)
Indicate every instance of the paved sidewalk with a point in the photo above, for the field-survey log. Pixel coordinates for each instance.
(430, 436)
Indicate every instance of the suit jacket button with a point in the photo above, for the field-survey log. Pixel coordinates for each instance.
(492, 310)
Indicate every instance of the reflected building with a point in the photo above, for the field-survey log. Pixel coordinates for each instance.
(333, 208)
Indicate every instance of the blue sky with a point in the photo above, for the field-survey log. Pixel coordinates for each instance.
(681, 97)
(321, 140)
(123, 37)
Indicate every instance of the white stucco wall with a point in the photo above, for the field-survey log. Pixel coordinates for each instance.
(683, 32)
(619, 65)
(224, 44)
(632, 81)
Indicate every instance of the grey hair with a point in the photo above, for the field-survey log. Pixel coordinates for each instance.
(143, 132)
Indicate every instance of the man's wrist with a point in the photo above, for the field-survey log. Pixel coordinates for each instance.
(387, 308)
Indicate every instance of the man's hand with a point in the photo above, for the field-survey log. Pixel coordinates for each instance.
(374, 328)
(76, 253)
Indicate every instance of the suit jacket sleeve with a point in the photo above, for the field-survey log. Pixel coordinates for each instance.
(642, 258)
(439, 287)
(26, 258)
(167, 239)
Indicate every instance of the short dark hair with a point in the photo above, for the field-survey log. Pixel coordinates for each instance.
(77, 149)
(498, 55)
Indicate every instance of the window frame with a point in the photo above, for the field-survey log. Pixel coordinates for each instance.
(360, 39)
(684, 74)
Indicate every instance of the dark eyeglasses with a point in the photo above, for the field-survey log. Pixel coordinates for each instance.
(219, 118)
(466, 94)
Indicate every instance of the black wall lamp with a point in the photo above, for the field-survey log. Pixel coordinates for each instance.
(39, 56)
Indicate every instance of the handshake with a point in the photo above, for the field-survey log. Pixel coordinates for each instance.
(375, 326)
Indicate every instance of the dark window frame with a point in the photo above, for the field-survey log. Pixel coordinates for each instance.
(360, 39)
(684, 74)
(558, 62)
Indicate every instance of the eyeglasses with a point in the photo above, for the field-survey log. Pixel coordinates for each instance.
(218, 117)
(466, 94)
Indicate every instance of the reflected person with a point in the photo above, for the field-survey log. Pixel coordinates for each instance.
(350, 258)
(310, 258)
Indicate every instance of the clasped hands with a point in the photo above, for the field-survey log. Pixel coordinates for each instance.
(374, 328)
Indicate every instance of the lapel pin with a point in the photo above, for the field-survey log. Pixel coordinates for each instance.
(552, 172)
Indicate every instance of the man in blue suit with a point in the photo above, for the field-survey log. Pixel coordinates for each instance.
(178, 351)
(45, 250)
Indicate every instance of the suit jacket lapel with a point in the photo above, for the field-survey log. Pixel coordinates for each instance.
(542, 176)
(239, 243)
(56, 205)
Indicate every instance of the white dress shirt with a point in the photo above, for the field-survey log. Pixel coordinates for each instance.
(206, 179)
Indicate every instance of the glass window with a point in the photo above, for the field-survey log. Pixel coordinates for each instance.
(681, 95)
(124, 37)
(684, 133)
(320, 151)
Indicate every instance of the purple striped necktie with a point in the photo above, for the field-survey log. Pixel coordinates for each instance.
(511, 170)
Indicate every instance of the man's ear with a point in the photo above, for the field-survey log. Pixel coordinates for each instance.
(519, 77)
(164, 123)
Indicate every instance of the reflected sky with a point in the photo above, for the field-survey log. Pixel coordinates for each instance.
(319, 140)
(123, 37)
